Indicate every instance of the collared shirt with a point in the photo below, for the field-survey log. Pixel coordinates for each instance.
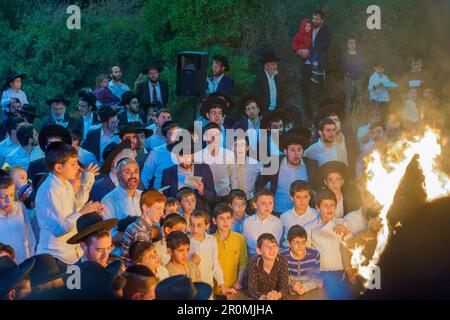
(19, 157)
(210, 268)
(157, 161)
(286, 176)
(10, 93)
(221, 166)
(57, 213)
(133, 117)
(119, 89)
(380, 94)
(119, 205)
(253, 134)
(16, 231)
(260, 282)
(182, 175)
(238, 225)
(232, 257)
(86, 157)
(191, 270)
(247, 174)
(291, 218)
(6, 147)
(272, 91)
(105, 140)
(87, 123)
(155, 141)
(139, 230)
(322, 153)
(339, 212)
(254, 227)
(158, 91)
(114, 179)
(213, 83)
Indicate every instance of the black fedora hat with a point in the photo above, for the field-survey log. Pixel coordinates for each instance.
(10, 76)
(290, 138)
(152, 65)
(106, 112)
(45, 269)
(134, 127)
(223, 60)
(53, 130)
(331, 167)
(11, 273)
(90, 223)
(182, 288)
(222, 95)
(329, 106)
(269, 55)
(301, 131)
(271, 116)
(126, 98)
(89, 98)
(110, 153)
(30, 110)
(209, 103)
(59, 97)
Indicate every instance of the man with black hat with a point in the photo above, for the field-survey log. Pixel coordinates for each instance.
(11, 87)
(97, 139)
(182, 288)
(112, 154)
(87, 108)
(180, 175)
(49, 134)
(14, 281)
(58, 105)
(28, 112)
(292, 167)
(265, 85)
(46, 274)
(154, 91)
(94, 236)
(130, 131)
(219, 82)
(131, 113)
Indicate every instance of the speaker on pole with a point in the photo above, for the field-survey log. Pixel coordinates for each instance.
(192, 69)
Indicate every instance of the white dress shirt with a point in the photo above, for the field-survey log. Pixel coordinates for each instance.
(119, 205)
(210, 268)
(339, 212)
(291, 218)
(87, 123)
(246, 176)
(57, 213)
(272, 91)
(19, 157)
(16, 231)
(323, 154)
(254, 227)
(221, 166)
(158, 91)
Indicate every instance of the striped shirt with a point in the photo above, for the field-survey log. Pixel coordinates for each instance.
(304, 269)
(140, 230)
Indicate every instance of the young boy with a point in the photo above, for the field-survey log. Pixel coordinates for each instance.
(141, 283)
(173, 222)
(232, 249)
(188, 202)
(152, 203)
(204, 251)
(144, 253)
(303, 262)
(416, 76)
(178, 245)
(268, 276)
(172, 206)
(411, 115)
(378, 85)
(238, 202)
(56, 205)
(301, 214)
(15, 227)
(262, 222)
(20, 178)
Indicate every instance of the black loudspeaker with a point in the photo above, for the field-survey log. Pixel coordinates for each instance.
(192, 70)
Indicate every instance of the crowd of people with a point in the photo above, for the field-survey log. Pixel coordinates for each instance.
(147, 209)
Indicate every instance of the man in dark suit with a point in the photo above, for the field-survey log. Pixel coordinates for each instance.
(132, 111)
(291, 167)
(58, 114)
(97, 139)
(219, 82)
(88, 112)
(185, 173)
(265, 85)
(152, 92)
(312, 84)
(48, 134)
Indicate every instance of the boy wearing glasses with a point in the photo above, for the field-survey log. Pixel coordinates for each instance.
(303, 262)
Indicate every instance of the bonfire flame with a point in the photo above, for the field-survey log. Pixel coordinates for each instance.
(383, 181)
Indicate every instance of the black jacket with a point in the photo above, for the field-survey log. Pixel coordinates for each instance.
(320, 47)
(80, 122)
(92, 142)
(260, 89)
(143, 93)
(123, 118)
(71, 121)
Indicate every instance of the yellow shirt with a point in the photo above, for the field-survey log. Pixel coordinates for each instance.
(232, 258)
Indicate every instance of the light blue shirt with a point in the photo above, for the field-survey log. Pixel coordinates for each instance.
(86, 157)
(87, 123)
(155, 141)
(158, 91)
(118, 90)
(157, 161)
(19, 158)
(238, 225)
(10, 93)
(272, 91)
(133, 118)
(6, 147)
(378, 94)
(286, 176)
(213, 83)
